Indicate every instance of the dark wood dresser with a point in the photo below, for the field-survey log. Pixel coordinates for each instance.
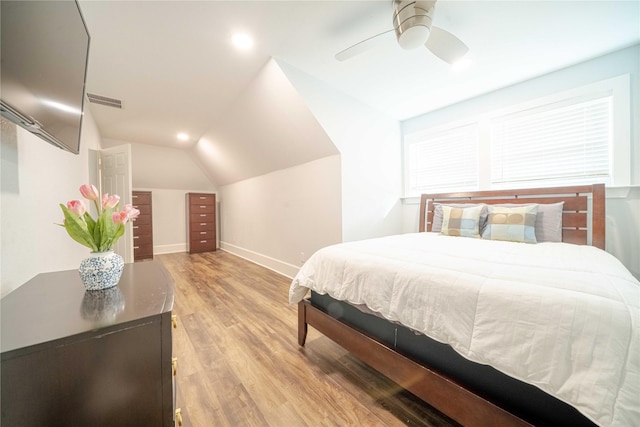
(201, 222)
(99, 358)
(142, 226)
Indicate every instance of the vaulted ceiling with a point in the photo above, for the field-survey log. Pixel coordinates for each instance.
(175, 70)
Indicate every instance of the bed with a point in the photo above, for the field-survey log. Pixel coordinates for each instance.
(488, 331)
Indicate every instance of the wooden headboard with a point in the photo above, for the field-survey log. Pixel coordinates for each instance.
(575, 216)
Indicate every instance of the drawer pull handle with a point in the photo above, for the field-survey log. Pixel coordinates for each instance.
(203, 241)
(174, 321)
(203, 224)
(136, 237)
(203, 198)
(203, 207)
(179, 417)
(135, 227)
(203, 232)
(174, 365)
(136, 247)
(203, 214)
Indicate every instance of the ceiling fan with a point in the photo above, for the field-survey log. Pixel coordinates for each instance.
(412, 26)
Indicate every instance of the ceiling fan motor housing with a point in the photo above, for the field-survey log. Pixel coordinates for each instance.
(412, 22)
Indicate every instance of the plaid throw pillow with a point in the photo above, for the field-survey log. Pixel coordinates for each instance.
(515, 224)
(464, 222)
(436, 224)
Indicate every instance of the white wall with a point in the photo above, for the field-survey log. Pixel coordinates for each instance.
(623, 226)
(369, 144)
(35, 178)
(163, 167)
(623, 204)
(279, 219)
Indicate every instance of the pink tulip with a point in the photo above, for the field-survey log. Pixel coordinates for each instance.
(132, 213)
(89, 192)
(110, 201)
(77, 207)
(120, 217)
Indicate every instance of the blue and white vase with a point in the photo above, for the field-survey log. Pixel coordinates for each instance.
(101, 270)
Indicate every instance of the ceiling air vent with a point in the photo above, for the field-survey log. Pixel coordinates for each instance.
(103, 100)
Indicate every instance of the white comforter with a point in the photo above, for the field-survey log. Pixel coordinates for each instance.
(559, 316)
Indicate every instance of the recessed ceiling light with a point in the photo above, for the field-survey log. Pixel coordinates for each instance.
(242, 41)
(183, 136)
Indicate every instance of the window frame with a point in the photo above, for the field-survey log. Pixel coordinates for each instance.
(620, 150)
(420, 136)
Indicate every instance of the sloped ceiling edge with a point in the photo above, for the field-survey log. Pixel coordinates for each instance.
(269, 127)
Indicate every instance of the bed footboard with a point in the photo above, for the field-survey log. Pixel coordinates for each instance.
(441, 392)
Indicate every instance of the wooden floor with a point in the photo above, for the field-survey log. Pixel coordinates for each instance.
(239, 363)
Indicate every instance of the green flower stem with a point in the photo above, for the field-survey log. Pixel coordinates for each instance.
(100, 234)
(77, 229)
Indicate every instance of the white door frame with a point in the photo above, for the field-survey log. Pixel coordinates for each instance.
(115, 178)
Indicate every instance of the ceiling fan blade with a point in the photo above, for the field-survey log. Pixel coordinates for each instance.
(365, 45)
(445, 45)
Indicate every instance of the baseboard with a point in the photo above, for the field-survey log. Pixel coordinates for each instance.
(169, 249)
(281, 267)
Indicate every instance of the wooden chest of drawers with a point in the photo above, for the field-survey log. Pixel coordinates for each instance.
(142, 226)
(201, 222)
(97, 358)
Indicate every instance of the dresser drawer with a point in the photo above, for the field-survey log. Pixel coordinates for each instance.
(145, 239)
(202, 199)
(144, 209)
(142, 220)
(199, 208)
(202, 235)
(202, 245)
(142, 230)
(202, 226)
(139, 198)
(201, 218)
(141, 251)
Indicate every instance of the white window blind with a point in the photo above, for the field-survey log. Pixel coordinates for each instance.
(443, 160)
(569, 143)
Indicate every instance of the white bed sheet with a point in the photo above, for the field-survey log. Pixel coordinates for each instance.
(559, 316)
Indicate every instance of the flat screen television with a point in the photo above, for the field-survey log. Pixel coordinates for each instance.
(45, 49)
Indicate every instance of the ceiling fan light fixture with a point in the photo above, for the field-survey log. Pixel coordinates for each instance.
(412, 23)
(412, 28)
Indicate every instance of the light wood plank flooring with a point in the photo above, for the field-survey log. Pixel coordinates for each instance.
(239, 363)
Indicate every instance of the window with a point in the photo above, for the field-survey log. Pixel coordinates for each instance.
(553, 144)
(442, 160)
(574, 137)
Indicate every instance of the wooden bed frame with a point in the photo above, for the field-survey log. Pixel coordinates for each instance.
(438, 390)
